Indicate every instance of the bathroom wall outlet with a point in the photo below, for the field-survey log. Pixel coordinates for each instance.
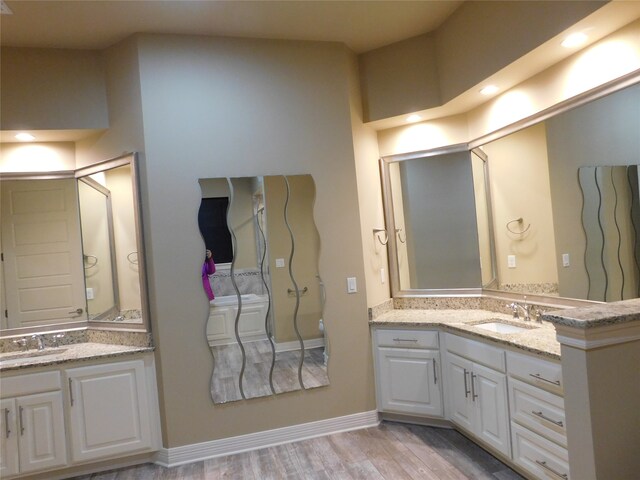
(511, 261)
(352, 287)
(383, 277)
(565, 260)
(89, 293)
(279, 262)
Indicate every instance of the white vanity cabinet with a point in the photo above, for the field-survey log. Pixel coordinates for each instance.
(33, 433)
(407, 364)
(476, 390)
(109, 410)
(537, 416)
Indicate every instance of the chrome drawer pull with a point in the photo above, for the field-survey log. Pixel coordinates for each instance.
(466, 387)
(6, 422)
(435, 375)
(473, 387)
(71, 391)
(537, 376)
(20, 410)
(544, 417)
(414, 340)
(547, 467)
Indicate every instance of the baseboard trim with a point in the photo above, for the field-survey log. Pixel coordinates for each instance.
(171, 457)
(295, 345)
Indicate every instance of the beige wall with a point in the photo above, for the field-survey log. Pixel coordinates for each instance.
(227, 107)
(519, 184)
(48, 89)
(37, 157)
(366, 153)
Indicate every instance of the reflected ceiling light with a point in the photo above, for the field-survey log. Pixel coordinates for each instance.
(414, 118)
(25, 137)
(489, 90)
(574, 40)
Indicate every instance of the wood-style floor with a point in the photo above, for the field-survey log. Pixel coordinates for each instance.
(392, 451)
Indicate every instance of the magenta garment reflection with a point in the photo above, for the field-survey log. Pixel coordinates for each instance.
(208, 268)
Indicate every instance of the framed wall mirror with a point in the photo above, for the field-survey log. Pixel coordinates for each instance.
(265, 327)
(73, 249)
(552, 203)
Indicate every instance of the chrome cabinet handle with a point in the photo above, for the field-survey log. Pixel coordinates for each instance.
(473, 387)
(71, 391)
(544, 417)
(548, 468)
(6, 422)
(21, 422)
(466, 386)
(435, 375)
(414, 340)
(537, 376)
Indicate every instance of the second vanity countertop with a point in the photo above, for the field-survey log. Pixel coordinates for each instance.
(65, 353)
(540, 338)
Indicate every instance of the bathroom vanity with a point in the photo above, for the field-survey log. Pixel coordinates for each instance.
(66, 408)
(457, 368)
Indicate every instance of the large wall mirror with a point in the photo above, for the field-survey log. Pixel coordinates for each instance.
(260, 272)
(72, 249)
(548, 210)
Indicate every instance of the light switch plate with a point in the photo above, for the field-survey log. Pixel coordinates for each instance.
(89, 293)
(511, 261)
(352, 286)
(565, 260)
(279, 262)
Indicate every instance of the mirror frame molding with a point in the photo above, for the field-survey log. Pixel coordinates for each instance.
(603, 90)
(131, 159)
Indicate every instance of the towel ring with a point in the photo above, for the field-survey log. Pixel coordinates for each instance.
(520, 222)
(133, 261)
(376, 231)
(87, 263)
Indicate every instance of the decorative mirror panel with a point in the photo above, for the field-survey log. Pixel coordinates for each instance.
(265, 327)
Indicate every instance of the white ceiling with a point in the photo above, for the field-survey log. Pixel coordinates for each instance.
(362, 25)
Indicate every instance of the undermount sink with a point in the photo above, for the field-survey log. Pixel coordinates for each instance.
(499, 327)
(30, 355)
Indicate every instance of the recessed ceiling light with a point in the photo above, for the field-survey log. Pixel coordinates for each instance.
(574, 40)
(25, 137)
(488, 90)
(414, 118)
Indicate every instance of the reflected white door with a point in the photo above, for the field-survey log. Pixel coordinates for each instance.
(42, 252)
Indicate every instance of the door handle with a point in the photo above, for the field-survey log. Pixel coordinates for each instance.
(6, 422)
(473, 387)
(77, 312)
(435, 375)
(20, 410)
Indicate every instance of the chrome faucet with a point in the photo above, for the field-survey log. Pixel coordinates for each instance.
(527, 311)
(39, 341)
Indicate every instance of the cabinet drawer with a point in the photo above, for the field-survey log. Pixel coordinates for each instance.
(29, 384)
(407, 338)
(478, 352)
(536, 371)
(540, 457)
(538, 410)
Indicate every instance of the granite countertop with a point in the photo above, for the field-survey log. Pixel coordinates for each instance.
(64, 354)
(597, 316)
(540, 338)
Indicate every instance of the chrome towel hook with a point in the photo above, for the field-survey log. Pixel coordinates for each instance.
(376, 231)
(398, 230)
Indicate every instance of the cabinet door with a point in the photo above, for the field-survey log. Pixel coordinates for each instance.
(491, 423)
(109, 410)
(410, 381)
(460, 399)
(9, 442)
(41, 437)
